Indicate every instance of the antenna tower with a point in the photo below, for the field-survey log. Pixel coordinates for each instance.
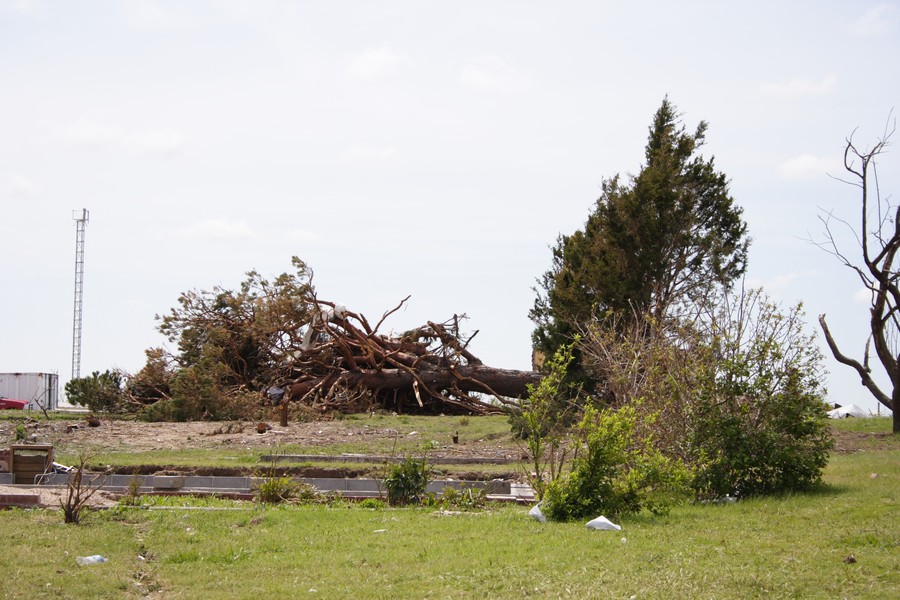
(80, 224)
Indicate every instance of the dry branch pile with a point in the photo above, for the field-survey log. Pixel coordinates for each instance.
(345, 364)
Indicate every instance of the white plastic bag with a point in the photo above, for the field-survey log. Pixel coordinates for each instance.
(603, 524)
(536, 514)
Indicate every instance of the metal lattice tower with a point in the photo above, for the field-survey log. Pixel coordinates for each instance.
(80, 224)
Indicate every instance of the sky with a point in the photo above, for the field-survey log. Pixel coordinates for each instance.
(416, 148)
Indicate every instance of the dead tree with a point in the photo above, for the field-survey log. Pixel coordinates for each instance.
(343, 361)
(879, 239)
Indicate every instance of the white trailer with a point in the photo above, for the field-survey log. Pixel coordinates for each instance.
(40, 389)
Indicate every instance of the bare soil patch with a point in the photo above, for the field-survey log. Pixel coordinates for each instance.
(75, 436)
(847, 442)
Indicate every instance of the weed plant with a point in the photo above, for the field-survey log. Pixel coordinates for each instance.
(406, 481)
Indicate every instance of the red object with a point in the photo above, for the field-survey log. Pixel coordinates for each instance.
(15, 404)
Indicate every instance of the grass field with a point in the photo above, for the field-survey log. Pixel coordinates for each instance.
(842, 541)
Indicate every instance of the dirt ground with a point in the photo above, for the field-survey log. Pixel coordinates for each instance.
(51, 497)
(137, 436)
(847, 442)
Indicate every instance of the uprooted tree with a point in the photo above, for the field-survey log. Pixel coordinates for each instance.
(277, 337)
(878, 235)
(429, 367)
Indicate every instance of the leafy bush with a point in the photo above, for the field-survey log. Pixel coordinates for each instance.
(406, 481)
(100, 392)
(761, 426)
(545, 418)
(612, 474)
(736, 393)
(373, 503)
(467, 498)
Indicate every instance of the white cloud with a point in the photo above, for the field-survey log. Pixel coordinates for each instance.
(150, 15)
(774, 286)
(217, 229)
(91, 134)
(779, 283)
(796, 88)
(863, 296)
(492, 73)
(16, 186)
(165, 141)
(807, 166)
(304, 235)
(879, 19)
(25, 8)
(375, 63)
(367, 153)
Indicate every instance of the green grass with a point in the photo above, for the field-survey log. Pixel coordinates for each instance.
(37, 415)
(872, 425)
(791, 546)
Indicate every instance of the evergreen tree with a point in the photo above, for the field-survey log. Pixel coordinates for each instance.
(669, 235)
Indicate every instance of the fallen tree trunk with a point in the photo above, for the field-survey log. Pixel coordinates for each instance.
(398, 387)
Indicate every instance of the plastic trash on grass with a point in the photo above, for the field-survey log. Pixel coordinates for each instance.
(536, 514)
(603, 524)
(91, 560)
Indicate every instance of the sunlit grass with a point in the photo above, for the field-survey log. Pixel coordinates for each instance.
(801, 545)
(871, 425)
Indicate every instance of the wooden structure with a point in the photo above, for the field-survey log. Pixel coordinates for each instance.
(27, 461)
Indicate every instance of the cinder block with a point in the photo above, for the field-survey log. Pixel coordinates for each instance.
(167, 482)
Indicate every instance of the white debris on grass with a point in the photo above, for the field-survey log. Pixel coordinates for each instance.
(601, 523)
(536, 514)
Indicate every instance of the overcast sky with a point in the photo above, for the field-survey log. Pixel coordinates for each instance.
(406, 148)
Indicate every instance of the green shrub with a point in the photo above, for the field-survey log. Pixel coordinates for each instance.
(612, 474)
(753, 446)
(406, 481)
(545, 418)
(100, 392)
(274, 490)
(467, 498)
(761, 426)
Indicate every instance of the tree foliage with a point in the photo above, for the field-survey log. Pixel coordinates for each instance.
(240, 338)
(760, 426)
(231, 345)
(100, 392)
(653, 243)
(878, 235)
(736, 394)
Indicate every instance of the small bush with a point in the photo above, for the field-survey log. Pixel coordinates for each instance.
(612, 474)
(761, 426)
(100, 392)
(406, 481)
(133, 496)
(467, 498)
(275, 490)
(545, 417)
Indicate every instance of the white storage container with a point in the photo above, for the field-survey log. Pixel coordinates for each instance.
(40, 389)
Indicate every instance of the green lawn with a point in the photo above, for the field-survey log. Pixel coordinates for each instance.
(793, 546)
